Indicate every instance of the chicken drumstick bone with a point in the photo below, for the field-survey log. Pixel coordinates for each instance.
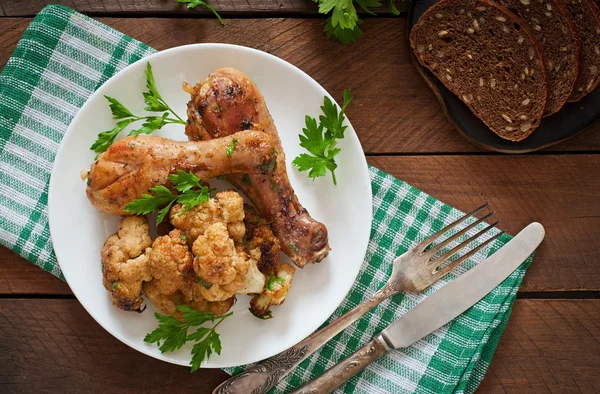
(226, 102)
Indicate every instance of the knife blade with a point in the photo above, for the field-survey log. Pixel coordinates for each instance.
(463, 292)
(436, 310)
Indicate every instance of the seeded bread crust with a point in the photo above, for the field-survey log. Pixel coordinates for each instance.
(553, 25)
(489, 58)
(587, 24)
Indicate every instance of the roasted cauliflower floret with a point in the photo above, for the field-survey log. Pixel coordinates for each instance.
(124, 267)
(223, 268)
(226, 207)
(170, 261)
(167, 303)
(260, 236)
(275, 291)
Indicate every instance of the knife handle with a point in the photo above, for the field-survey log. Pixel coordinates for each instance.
(346, 368)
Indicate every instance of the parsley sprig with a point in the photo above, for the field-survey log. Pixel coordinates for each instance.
(343, 23)
(154, 103)
(320, 140)
(171, 334)
(195, 3)
(162, 198)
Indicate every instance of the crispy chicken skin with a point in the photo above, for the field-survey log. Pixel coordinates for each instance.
(227, 102)
(133, 165)
(124, 266)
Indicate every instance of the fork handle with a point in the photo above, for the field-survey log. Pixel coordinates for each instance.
(345, 369)
(260, 378)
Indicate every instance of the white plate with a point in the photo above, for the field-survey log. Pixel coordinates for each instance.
(78, 230)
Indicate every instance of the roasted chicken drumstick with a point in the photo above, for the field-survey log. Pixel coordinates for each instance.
(133, 165)
(227, 102)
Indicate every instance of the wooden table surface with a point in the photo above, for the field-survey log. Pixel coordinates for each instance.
(552, 343)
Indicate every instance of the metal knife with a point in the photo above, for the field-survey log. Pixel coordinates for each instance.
(435, 311)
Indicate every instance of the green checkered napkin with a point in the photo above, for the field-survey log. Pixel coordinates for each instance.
(64, 56)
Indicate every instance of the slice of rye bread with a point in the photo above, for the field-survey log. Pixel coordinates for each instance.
(553, 25)
(489, 58)
(587, 23)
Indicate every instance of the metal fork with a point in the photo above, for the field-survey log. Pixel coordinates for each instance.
(412, 272)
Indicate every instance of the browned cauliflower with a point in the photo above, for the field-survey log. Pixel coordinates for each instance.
(226, 207)
(124, 267)
(260, 236)
(170, 261)
(276, 289)
(188, 295)
(224, 268)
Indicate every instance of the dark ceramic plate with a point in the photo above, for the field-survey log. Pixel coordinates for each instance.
(567, 122)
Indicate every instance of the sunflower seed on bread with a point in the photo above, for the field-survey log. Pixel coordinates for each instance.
(504, 53)
(553, 25)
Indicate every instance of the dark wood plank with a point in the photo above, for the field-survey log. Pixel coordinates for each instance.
(19, 276)
(393, 110)
(548, 347)
(560, 191)
(170, 7)
(55, 346)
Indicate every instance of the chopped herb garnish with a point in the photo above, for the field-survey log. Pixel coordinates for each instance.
(273, 185)
(205, 284)
(115, 285)
(293, 248)
(270, 285)
(229, 150)
(183, 237)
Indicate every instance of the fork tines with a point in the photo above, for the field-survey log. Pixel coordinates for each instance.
(439, 269)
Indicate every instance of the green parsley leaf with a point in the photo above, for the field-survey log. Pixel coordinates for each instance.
(320, 143)
(229, 150)
(162, 199)
(344, 14)
(194, 3)
(246, 180)
(184, 181)
(345, 36)
(118, 110)
(115, 285)
(153, 101)
(183, 237)
(191, 198)
(171, 334)
(393, 8)
(273, 185)
(160, 196)
(151, 124)
(106, 138)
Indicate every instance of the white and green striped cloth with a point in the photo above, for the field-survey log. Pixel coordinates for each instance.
(64, 56)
